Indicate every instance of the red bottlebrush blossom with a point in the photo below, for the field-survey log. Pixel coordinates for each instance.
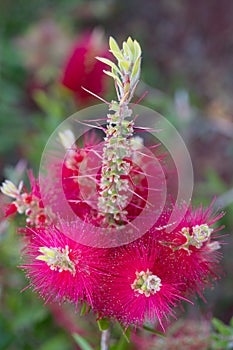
(60, 269)
(82, 69)
(192, 247)
(142, 287)
(26, 202)
(75, 186)
(80, 160)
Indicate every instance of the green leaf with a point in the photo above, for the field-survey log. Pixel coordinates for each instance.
(124, 65)
(154, 331)
(137, 50)
(84, 309)
(136, 69)
(118, 56)
(114, 76)
(57, 342)
(221, 327)
(114, 48)
(123, 343)
(6, 333)
(127, 51)
(81, 342)
(103, 324)
(125, 333)
(109, 63)
(130, 43)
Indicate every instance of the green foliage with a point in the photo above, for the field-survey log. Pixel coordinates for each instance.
(152, 330)
(222, 337)
(103, 324)
(12, 120)
(82, 343)
(123, 341)
(127, 71)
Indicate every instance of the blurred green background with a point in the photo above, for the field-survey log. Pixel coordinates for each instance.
(188, 72)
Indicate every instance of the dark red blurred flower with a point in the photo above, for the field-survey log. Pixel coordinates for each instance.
(83, 69)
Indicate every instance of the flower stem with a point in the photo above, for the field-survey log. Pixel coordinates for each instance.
(105, 337)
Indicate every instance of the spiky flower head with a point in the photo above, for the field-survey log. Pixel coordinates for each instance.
(142, 287)
(192, 247)
(59, 268)
(26, 202)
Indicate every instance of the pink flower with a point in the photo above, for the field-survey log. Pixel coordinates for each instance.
(142, 286)
(79, 161)
(82, 68)
(60, 269)
(192, 247)
(25, 202)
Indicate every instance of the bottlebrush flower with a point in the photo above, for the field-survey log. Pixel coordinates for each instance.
(59, 268)
(142, 286)
(80, 157)
(82, 69)
(75, 186)
(192, 247)
(25, 202)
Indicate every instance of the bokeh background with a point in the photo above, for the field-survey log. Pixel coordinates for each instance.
(47, 51)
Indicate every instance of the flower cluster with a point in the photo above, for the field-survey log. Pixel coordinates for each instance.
(28, 203)
(136, 283)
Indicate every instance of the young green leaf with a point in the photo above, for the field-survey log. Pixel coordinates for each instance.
(152, 330)
(130, 43)
(124, 65)
(84, 309)
(127, 51)
(109, 63)
(137, 50)
(114, 76)
(221, 327)
(114, 48)
(81, 342)
(125, 333)
(103, 324)
(136, 68)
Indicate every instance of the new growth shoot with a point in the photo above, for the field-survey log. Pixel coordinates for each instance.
(117, 151)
